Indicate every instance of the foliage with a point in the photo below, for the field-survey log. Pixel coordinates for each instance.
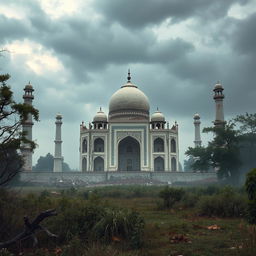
(170, 196)
(201, 158)
(120, 224)
(188, 164)
(222, 153)
(225, 151)
(12, 115)
(45, 164)
(247, 123)
(160, 226)
(227, 203)
(250, 185)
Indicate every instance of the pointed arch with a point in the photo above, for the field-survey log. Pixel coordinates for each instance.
(84, 146)
(174, 164)
(159, 145)
(129, 154)
(159, 164)
(173, 146)
(98, 164)
(99, 145)
(84, 164)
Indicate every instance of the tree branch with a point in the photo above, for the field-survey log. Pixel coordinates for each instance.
(30, 229)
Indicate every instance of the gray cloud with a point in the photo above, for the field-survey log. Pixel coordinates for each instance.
(177, 75)
(137, 14)
(244, 36)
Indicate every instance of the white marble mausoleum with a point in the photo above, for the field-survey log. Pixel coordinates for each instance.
(128, 138)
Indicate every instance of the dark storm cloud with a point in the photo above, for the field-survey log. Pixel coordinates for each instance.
(137, 14)
(84, 50)
(244, 36)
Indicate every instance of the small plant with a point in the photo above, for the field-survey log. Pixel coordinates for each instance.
(171, 196)
(120, 225)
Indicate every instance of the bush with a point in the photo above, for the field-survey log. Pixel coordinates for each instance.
(225, 204)
(120, 224)
(189, 200)
(171, 196)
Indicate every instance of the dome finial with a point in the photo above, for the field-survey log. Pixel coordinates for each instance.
(129, 76)
(100, 109)
(157, 109)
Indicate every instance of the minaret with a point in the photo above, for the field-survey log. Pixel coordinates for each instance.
(197, 123)
(57, 165)
(218, 97)
(26, 149)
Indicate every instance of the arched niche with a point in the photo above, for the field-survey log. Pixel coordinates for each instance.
(158, 145)
(173, 146)
(84, 145)
(84, 165)
(159, 164)
(129, 154)
(174, 164)
(99, 145)
(98, 164)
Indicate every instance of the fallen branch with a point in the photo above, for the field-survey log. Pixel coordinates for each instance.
(30, 229)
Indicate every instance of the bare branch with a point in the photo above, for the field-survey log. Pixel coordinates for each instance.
(30, 229)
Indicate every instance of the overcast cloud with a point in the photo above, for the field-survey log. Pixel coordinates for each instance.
(76, 54)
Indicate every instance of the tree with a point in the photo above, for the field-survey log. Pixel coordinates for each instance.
(222, 153)
(225, 152)
(247, 123)
(45, 164)
(12, 115)
(247, 131)
(200, 158)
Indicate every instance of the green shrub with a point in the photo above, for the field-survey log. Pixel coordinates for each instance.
(189, 200)
(225, 204)
(121, 223)
(170, 196)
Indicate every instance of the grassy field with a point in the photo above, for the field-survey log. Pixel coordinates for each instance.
(163, 225)
(180, 230)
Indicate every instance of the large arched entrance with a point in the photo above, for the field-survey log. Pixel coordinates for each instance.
(129, 155)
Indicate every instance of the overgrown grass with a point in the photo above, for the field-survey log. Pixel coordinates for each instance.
(110, 221)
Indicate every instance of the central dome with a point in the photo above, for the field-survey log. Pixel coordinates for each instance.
(129, 102)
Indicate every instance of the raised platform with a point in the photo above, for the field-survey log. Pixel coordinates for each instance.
(117, 177)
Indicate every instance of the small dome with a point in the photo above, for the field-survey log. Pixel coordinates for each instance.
(218, 86)
(100, 116)
(158, 117)
(58, 116)
(29, 87)
(196, 116)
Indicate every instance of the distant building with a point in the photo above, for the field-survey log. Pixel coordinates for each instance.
(128, 139)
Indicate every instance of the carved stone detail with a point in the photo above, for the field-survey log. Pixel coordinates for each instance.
(121, 135)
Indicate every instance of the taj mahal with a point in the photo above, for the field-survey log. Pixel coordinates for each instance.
(126, 140)
(129, 139)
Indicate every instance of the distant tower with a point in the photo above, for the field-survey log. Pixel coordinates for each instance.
(26, 149)
(218, 97)
(57, 166)
(197, 123)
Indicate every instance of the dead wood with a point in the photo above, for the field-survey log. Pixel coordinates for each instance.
(30, 229)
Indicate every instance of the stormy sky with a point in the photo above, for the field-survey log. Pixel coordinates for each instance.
(76, 54)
